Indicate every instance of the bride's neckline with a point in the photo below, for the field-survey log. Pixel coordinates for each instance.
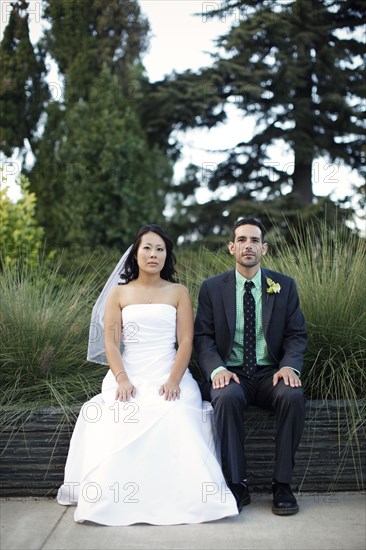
(149, 305)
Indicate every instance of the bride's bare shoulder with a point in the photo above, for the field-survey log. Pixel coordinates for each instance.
(179, 291)
(117, 294)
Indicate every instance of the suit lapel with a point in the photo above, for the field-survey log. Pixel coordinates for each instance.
(228, 292)
(267, 302)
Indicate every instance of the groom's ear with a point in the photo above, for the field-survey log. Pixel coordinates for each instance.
(231, 247)
(264, 249)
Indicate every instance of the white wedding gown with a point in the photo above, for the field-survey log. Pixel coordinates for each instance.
(147, 460)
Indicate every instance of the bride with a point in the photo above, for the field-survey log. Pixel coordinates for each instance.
(142, 451)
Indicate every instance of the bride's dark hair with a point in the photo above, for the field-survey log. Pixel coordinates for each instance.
(131, 268)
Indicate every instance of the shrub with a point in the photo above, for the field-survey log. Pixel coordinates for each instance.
(19, 233)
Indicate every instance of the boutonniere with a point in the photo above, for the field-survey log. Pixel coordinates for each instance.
(273, 288)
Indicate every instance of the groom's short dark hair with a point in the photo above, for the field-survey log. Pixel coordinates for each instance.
(249, 221)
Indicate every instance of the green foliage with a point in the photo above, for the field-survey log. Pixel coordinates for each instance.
(104, 161)
(44, 326)
(179, 102)
(97, 174)
(329, 268)
(213, 221)
(298, 66)
(19, 233)
(84, 37)
(103, 180)
(196, 263)
(23, 90)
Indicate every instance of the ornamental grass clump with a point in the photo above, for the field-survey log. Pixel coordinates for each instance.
(328, 266)
(44, 327)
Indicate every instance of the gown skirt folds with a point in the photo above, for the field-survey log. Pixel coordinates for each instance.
(147, 460)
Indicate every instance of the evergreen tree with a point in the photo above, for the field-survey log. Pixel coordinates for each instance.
(86, 36)
(97, 176)
(298, 67)
(103, 179)
(179, 102)
(23, 90)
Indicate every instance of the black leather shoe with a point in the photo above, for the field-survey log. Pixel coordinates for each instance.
(241, 494)
(284, 502)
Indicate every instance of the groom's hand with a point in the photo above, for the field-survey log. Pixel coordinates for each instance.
(223, 378)
(289, 377)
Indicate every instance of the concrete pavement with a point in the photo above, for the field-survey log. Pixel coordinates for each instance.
(325, 522)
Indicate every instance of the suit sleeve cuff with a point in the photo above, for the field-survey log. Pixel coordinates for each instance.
(214, 372)
(288, 367)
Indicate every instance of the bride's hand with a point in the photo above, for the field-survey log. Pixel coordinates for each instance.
(125, 390)
(170, 390)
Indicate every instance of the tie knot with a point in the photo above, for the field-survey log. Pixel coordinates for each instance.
(248, 286)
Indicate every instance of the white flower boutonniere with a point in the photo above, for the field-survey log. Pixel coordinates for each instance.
(273, 288)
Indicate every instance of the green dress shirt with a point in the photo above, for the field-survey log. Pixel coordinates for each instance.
(236, 355)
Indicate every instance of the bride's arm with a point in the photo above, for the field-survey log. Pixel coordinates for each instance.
(112, 338)
(185, 322)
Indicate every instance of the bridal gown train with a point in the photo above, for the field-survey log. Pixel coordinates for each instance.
(147, 460)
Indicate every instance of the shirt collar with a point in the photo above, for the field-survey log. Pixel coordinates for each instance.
(257, 279)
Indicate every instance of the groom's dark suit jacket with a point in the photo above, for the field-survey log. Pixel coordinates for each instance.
(283, 322)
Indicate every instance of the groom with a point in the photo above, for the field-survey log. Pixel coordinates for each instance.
(250, 339)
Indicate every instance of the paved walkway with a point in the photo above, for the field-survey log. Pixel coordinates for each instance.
(325, 522)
